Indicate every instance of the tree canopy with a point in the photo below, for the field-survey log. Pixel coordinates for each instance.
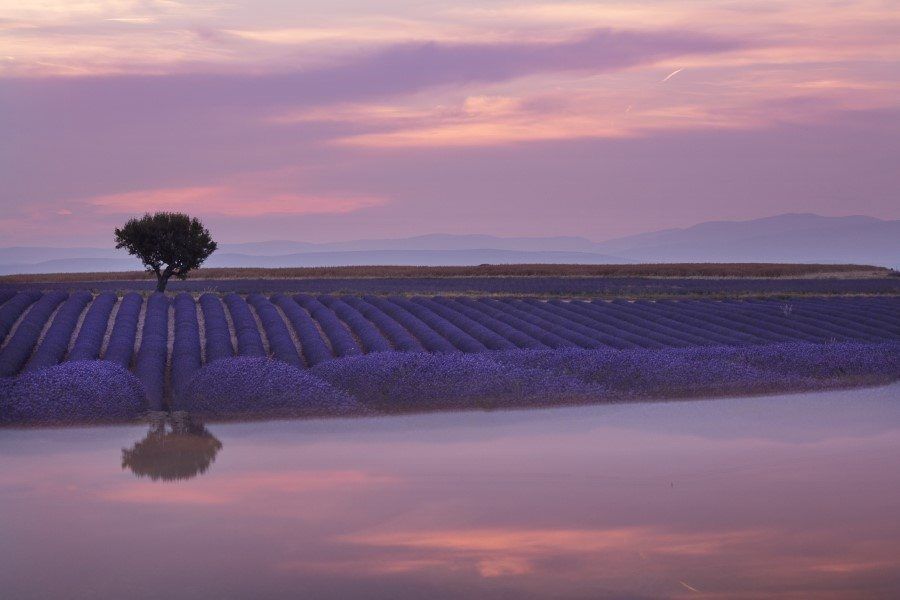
(167, 243)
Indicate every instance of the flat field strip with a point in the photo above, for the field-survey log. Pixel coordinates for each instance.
(537, 286)
(788, 270)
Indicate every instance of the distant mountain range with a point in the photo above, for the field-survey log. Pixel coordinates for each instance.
(783, 238)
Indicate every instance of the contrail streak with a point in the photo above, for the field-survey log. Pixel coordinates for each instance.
(671, 75)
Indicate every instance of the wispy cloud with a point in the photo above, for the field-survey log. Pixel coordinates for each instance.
(396, 69)
(395, 112)
(229, 201)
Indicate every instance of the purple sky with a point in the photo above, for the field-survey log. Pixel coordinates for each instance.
(353, 119)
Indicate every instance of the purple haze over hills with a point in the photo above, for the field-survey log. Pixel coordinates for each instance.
(782, 238)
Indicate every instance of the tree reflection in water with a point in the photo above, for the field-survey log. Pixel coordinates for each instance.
(175, 448)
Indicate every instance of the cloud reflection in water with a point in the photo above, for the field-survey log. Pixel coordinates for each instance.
(786, 496)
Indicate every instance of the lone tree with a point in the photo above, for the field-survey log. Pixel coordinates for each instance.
(167, 243)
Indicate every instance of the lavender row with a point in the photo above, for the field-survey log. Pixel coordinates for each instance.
(887, 314)
(186, 355)
(93, 328)
(485, 336)
(281, 344)
(446, 329)
(13, 308)
(501, 328)
(27, 334)
(608, 336)
(56, 340)
(605, 312)
(249, 341)
(313, 347)
(399, 337)
(120, 348)
(816, 316)
(341, 340)
(372, 339)
(659, 323)
(770, 326)
(216, 330)
(815, 328)
(537, 314)
(428, 337)
(531, 326)
(150, 363)
(702, 326)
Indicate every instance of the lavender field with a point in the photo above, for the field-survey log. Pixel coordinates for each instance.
(83, 357)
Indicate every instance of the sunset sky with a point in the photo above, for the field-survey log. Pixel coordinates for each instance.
(343, 119)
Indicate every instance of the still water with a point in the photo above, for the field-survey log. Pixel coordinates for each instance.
(786, 496)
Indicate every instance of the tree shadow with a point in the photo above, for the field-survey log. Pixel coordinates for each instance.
(175, 448)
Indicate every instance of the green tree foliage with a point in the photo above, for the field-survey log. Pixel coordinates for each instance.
(167, 243)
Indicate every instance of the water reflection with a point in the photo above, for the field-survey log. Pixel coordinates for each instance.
(778, 497)
(175, 448)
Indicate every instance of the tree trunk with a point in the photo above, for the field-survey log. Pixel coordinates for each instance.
(161, 280)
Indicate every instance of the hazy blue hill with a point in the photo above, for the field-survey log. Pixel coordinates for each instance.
(429, 258)
(438, 241)
(74, 265)
(725, 231)
(782, 238)
(271, 248)
(322, 259)
(35, 254)
(473, 242)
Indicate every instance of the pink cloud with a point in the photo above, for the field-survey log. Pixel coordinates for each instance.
(782, 108)
(520, 551)
(230, 202)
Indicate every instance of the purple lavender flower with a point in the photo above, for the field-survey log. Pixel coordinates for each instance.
(55, 342)
(12, 308)
(281, 344)
(341, 340)
(372, 339)
(23, 341)
(93, 328)
(248, 339)
(186, 358)
(150, 364)
(401, 381)
(261, 387)
(314, 348)
(120, 348)
(82, 391)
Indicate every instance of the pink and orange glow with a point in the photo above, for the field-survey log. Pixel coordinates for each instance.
(773, 497)
(341, 120)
